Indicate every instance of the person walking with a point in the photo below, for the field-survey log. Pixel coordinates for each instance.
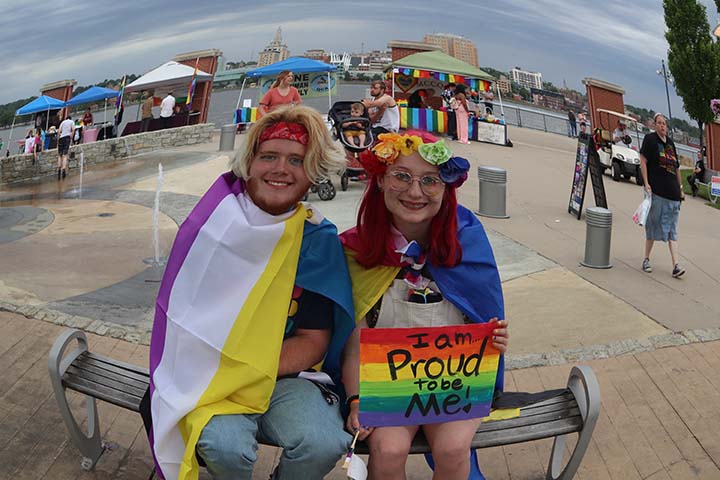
(661, 174)
(67, 131)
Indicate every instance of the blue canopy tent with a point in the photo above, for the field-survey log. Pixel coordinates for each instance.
(293, 64)
(41, 104)
(94, 94)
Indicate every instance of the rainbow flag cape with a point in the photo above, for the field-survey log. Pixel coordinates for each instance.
(232, 264)
(473, 286)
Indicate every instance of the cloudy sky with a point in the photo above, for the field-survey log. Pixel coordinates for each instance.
(621, 42)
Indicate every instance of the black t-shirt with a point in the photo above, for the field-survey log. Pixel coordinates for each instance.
(308, 310)
(662, 165)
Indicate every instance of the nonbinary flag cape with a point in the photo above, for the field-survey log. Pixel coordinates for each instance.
(221, 313)
(473, 286)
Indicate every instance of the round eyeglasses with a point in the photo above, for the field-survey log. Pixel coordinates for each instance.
(400, 181)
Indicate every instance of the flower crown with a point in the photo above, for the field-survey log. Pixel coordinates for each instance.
(453, 170)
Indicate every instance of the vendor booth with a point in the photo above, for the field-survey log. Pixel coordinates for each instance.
(94, 94)
(169, 77)
(312, 79)
(41, 104)
(424, 75)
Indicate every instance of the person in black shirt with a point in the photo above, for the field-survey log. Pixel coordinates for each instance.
(698, 173)
(572, 123)
(661, 175)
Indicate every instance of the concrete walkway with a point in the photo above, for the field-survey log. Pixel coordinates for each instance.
(79, 253)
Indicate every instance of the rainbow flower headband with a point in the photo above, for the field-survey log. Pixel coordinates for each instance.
(453, 170)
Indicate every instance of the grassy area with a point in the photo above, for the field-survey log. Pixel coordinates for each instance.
(702, 189)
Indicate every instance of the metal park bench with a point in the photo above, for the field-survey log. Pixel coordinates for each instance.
(96, 376)
(574, 411)
(707, 178)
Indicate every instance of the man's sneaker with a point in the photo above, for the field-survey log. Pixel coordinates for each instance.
(647, 268)
(678, 271)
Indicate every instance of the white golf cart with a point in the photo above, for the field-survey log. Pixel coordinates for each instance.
(622, 160)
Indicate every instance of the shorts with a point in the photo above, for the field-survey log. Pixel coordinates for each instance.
(662, 219)
(353, 133)
(63, 145)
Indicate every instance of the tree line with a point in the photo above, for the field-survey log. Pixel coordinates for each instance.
(7, 111)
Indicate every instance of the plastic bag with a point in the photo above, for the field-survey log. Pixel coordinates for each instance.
(641, 213)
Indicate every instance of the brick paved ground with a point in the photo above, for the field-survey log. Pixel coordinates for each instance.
(659, 416)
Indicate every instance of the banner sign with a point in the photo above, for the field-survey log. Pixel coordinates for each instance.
(312, 84)
(715, 186)
(416, 376)
(488, 132)
(577, 193)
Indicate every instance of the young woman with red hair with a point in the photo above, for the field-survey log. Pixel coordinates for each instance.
(418, 259)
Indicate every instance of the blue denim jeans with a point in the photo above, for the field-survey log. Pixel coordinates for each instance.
(298, 419)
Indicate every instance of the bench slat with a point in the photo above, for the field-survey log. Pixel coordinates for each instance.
(102, 392)
(106, 381)
(522, 421)
(126, 369)
(82, 366)
(528, 433)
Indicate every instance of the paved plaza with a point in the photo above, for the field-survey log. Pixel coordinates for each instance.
(80, 253)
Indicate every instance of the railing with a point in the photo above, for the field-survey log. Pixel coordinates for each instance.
(559, 124)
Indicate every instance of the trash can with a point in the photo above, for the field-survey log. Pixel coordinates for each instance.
(597, 238)
(227, 137)
(493, 186)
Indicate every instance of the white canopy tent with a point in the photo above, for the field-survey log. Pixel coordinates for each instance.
(168, 77)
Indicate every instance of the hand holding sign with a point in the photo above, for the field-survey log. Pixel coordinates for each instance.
(416, 376)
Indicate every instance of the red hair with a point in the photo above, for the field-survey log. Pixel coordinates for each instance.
(374, 222)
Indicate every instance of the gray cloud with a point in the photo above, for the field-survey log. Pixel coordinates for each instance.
(621, 41)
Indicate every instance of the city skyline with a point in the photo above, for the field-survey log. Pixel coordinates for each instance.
(565, 41)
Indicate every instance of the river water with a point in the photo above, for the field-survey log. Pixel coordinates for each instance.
(224, 102)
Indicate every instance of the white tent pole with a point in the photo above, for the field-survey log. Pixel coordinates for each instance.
(47, 120)
(11, 132)
(241, 92)
(329, 92)
(393, 82)
(105, 114)
(502, 110)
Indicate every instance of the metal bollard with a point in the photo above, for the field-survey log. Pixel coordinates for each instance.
(493, 184)
(227, 137)
(597, 238)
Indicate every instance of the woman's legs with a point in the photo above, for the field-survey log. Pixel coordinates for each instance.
(450, 446)
(389, 448)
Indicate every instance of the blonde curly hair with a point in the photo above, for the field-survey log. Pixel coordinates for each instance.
(322, 157)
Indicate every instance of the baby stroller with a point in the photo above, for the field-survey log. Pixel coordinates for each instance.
(342, 123)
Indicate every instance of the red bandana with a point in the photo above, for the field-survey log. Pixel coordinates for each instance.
(285, 130)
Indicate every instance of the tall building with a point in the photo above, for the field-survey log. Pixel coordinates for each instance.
(318, 54)
(276, 51)
(503, 85)
(456, 46)
(527, 79)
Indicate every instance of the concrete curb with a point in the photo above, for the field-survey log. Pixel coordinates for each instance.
(140, 335)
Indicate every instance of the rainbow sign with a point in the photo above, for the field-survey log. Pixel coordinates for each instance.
(416, 376)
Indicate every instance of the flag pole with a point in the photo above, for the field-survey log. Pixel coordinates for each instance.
(191, 91)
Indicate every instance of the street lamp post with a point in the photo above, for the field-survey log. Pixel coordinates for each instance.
(667, 78)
